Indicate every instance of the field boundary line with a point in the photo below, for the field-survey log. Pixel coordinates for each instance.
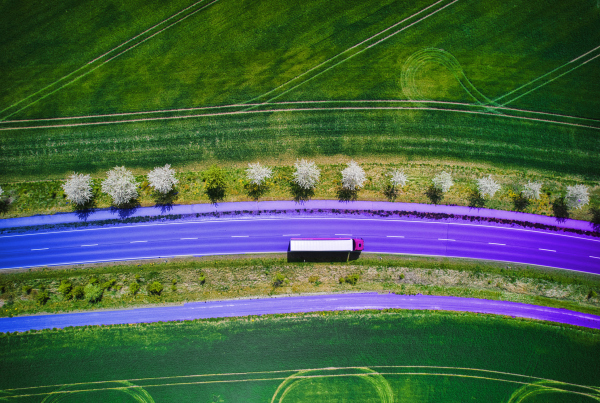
(104, 62)
(546, 74)
(244, 112)
(347, 50)
(349, 101)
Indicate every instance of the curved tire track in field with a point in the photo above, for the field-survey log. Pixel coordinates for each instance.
(431, 55)
(530, 385)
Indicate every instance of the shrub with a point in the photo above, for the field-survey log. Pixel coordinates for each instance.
(577, 196)
(313, 279)
(397, 178)
(443, 181)
(78, 292)
(155, 288)
(42, 297)
(257, 175)
(401, 276)
(202, 279)
(279, 280)
(307, 174)
(94, 280)
(134, 288)
(78, 188)
(120, 184)
(353, 177)
(27, 289)
(487, 186)
(592, 294)
(532, 190)
(215, 183)
(65, 288)
(162, 179)
(108, 284)
(351, 279)
(174, 288)
(93, 292)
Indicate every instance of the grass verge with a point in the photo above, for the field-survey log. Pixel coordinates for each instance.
(215, 278)
(47, 197)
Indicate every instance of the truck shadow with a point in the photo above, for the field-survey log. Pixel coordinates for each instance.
(322, 256)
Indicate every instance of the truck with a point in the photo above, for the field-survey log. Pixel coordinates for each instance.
(326, 244)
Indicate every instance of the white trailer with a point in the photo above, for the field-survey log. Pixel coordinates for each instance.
(325, 245)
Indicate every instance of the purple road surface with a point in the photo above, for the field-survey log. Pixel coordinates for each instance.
(331, 302)
(273, 234)
(191, 209)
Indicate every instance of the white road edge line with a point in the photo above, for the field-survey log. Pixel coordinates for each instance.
(291, 235)
(395, 236)
(41, 249)
(183, 239)
(494, 243)
(93, 244)
(303, 218)
(240, 236)
(343, 234)
(137, 241)
(446, 239)
(548, 250)
(594, 257)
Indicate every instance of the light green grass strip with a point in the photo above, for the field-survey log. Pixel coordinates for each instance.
(104, 62)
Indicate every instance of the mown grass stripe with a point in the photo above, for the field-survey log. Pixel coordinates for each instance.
(103, 63)
(246, 112)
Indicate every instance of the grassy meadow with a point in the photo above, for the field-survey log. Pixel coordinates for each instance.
(389, 356)
(141, 84)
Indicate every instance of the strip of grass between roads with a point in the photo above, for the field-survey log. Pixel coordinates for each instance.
(216, 278)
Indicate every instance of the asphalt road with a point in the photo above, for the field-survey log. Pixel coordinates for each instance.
(335, 302)
(256, 235)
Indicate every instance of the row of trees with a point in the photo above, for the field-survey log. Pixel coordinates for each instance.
(121, 185)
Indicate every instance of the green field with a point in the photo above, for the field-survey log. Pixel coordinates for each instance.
(401, 356)
(511, 84)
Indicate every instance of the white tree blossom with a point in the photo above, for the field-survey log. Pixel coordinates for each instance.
(257, 175)
(443, 181)
(532, 190)
(353, 177)
(577, 196)
(307, 174)
(78, 188)
(397, 178)
(487, 186)
(162, 179)
(120, 185)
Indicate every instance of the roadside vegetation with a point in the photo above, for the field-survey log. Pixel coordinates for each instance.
(169, 281)
(466, 184)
